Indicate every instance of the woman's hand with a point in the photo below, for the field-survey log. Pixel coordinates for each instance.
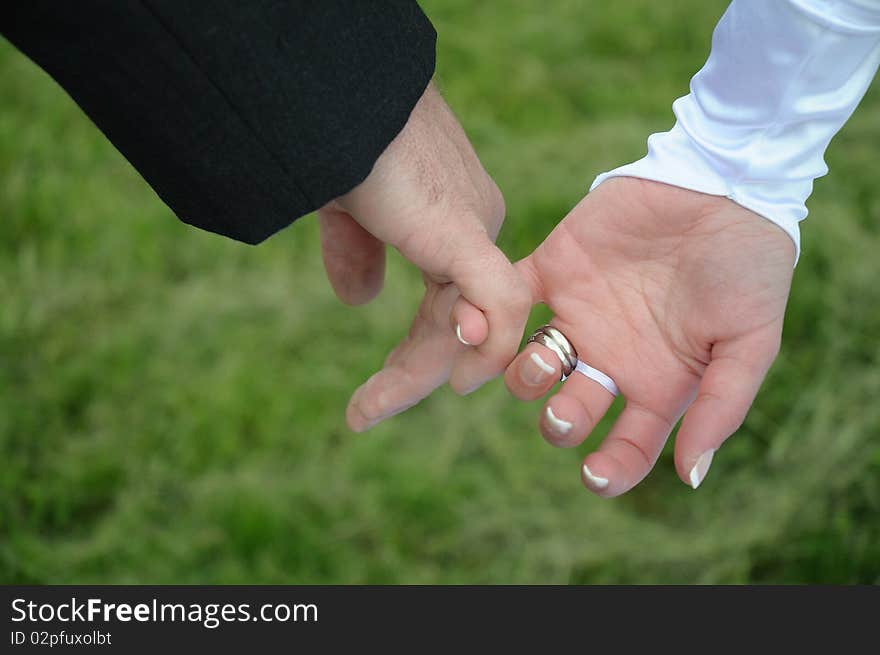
(679, 297)
(429, 197)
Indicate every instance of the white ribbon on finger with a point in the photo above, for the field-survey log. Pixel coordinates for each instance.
(597, 376)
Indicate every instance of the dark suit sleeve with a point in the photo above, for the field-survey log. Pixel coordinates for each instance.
(242, 114)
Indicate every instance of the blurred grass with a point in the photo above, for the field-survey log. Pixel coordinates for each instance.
(168, 415)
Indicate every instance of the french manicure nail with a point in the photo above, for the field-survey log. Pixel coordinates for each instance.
(595, 481)
(458, 334)
(535, 370)
(559, 426)
(701, 467)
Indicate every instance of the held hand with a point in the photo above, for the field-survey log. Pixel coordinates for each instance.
(429, 197)
(680, 298)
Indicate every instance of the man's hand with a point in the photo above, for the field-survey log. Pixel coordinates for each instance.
(429, 197)
(679, 297)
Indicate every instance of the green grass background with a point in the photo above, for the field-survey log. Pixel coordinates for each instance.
(170, 414)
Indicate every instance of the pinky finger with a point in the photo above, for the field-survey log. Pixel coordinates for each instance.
(726, 393)
(469, 323)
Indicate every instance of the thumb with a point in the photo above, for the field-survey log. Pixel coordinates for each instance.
(353, 258)
(469, 321)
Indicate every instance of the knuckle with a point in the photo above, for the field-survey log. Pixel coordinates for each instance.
(708, 397)
(645, 459)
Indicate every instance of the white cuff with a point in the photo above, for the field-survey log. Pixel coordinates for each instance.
(781, 80)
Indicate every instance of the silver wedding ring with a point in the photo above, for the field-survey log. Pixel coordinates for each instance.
(552, 339)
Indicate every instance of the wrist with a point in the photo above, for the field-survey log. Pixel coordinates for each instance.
(782, 79)
(673, 158)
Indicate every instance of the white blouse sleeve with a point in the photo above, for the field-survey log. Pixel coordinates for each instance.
(781, 80)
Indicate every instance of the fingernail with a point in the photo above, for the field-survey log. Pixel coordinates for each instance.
(471, 388)
(698, 473)
(364, 420)
(535, 370)
(371, 421)
(558, 425)
(356, 419)
(595, 481)
(458, 334)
